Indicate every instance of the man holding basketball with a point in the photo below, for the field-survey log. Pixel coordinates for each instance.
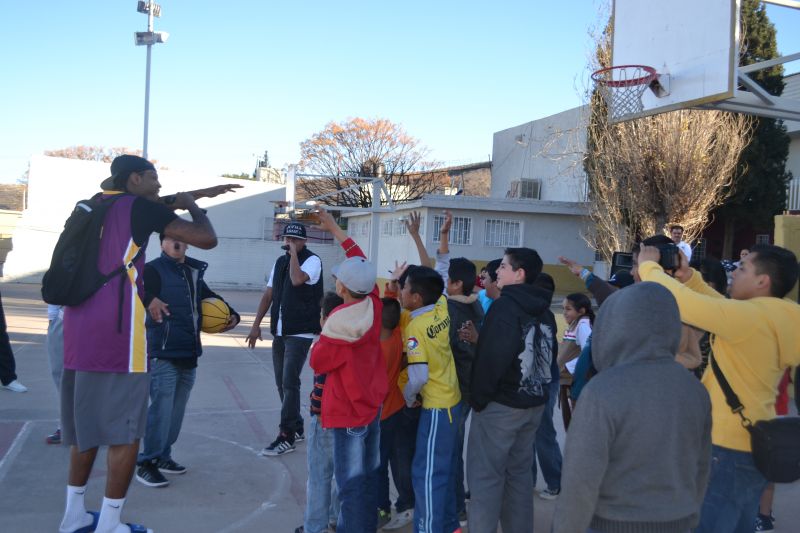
(174, 289)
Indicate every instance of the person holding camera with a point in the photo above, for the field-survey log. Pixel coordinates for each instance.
(754, 340)
(294, 292)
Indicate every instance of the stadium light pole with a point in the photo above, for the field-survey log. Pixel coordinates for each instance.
(148, 38)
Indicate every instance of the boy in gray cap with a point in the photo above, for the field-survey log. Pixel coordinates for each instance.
(349, 352)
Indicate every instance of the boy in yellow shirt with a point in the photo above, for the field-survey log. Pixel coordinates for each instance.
(432, 382)
(755, 338)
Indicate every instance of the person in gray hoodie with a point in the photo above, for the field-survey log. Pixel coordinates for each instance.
(638, 450)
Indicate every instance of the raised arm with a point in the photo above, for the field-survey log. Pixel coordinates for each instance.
(199, 232)
(413, 223)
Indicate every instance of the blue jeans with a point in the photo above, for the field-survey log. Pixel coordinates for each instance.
(734, 490)
(288, 357)
(458, 450)
(545, 446)
(398, 440)
(170, 386)
(433, 471)
(356, 459)
(322, 504)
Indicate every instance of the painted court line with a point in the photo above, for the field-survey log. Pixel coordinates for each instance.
(251, 418)
(10, 448)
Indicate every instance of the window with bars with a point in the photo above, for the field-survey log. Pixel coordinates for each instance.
(386, 227)
(460, 230)
(400, 227)
(365, 227)
(503, 233)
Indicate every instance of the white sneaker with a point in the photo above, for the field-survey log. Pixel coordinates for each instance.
(400, 520)
(16, 386)
(549, 494)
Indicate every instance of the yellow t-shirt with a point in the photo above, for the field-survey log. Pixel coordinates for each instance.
(426, 339)
(754, 342)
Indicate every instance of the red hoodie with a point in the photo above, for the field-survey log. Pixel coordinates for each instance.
(349, 352)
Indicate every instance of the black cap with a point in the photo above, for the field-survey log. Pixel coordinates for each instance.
(121, 169)
(298, 231)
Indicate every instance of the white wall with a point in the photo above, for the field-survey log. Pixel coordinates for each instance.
(549, 149)
(793, 165)
(548, 233)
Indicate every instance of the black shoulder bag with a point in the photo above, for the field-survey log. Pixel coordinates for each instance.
(775, 443)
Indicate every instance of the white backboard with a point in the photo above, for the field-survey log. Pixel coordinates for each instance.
(693, 41)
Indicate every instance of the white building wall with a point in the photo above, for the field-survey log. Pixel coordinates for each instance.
(551, 235)
(243, 222)
(549, 149)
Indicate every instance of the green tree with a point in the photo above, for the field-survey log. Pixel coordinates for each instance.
(759, 191)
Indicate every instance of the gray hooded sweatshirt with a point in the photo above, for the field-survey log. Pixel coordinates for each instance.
(639, 446)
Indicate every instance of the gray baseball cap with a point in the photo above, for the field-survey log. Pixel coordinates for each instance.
(357, 274)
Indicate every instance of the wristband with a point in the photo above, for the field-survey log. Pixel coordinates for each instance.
(584, 274)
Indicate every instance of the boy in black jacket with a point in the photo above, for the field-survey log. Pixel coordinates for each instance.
(508, 391)
(465, 310)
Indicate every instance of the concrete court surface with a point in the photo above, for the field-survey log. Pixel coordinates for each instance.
(233, 413)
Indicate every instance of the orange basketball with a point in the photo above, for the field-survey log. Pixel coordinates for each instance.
(216, 314)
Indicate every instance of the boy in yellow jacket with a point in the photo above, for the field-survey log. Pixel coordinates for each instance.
(755, 338)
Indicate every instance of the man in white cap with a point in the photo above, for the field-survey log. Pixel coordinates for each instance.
(294, 291)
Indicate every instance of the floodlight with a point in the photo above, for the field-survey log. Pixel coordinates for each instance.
(145, 7)
(142, 38)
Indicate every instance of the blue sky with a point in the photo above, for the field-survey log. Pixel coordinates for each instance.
(250, 76)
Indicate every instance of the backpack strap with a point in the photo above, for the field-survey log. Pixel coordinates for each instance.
(731, 397)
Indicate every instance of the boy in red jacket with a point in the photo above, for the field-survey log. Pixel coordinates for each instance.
(349, 352)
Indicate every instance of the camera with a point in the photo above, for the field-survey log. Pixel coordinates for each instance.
(670, 258)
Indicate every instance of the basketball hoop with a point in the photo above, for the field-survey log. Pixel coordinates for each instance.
(622, 88)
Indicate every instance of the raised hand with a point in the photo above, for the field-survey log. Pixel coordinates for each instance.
(216, 190)
(413, 222)
(574, 267)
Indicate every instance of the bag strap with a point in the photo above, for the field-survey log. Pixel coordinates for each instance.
(730, 397)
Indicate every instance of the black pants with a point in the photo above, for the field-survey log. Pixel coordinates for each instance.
(7, 364)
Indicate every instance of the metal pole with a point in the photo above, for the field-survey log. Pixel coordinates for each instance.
(146, 102)
(147, 82)
(374, 246)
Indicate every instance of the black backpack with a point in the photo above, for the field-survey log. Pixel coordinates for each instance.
(73, 275)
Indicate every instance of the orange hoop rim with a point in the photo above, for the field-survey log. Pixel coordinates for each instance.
(597, 76)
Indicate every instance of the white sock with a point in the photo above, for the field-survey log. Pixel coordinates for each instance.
(75, 515)
(110, 514)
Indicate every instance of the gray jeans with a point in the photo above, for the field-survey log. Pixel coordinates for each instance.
(499, 461)
(288, 357)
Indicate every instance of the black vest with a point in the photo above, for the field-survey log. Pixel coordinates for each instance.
(299, 306)
(178, 335)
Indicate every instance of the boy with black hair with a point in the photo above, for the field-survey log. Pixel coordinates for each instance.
(432, 382)
(510, 378)
(490, 292)
(755, 338)
(465, 312)
(397, 445)
(322, 507)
